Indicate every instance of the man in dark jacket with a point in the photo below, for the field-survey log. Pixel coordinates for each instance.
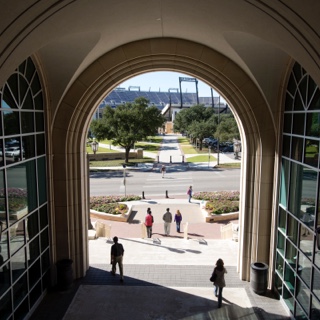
(167, 218)
(117, 252)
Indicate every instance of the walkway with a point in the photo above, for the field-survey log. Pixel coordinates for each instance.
(166, 278)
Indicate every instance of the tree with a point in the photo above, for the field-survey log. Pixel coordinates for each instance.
(186, 116)
(201, 129)
(227, 129)
(128, 123)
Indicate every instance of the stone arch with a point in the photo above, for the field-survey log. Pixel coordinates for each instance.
(74, 115)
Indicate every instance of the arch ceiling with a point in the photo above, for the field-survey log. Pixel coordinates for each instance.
(68, 36)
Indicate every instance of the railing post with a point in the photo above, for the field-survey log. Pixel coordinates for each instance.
(167, 194)
(143, 195)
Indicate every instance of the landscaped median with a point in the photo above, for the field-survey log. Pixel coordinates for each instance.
(115, 208)
(219, 205)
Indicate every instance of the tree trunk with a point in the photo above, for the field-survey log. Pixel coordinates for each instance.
(127, 155)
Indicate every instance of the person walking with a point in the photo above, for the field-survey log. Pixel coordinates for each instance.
(178, 219)
(219, 282)
(149, 222)
(167, 218)
(189, 193)
(117, 252)
(163, 170)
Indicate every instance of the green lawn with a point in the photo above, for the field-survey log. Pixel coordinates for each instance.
(201, 158)
(119, 163)
(101, 150)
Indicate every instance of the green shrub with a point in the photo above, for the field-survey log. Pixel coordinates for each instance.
(110, 204)
(220, 201)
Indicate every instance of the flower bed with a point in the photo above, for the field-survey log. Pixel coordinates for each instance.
(111, 204)
(111, 208)
(219, 205)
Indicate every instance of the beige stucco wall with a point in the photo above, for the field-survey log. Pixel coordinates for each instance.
(257, 126)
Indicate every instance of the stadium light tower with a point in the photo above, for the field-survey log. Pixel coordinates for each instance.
(181, 79)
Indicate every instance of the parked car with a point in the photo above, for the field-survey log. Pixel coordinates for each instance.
(12, 152)
(227, 148)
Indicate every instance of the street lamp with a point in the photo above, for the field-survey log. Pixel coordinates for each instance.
(209, 157)
(94, 145)
(124, 179)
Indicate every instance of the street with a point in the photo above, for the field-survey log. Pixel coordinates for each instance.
(175, 182)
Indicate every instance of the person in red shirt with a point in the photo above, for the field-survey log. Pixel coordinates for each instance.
(149, 222)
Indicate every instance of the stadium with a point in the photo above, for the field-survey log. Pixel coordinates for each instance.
(170, 102)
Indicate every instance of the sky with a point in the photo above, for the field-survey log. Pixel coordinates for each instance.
(164, 80)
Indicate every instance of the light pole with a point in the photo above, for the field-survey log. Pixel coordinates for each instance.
(209, 157)
(94, 145)
(124, 179)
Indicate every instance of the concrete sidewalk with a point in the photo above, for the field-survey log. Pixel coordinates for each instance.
(170, 152)
(165, 277)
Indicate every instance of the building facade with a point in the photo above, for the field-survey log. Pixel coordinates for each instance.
(57, 63)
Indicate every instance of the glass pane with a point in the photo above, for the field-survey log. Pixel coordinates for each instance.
(286, 144)
(300, 313)
(315, 309)
(35, 294)
(38, 102)
(42, 180)
(280, 244)
(279, 264)
(314, 95)
(317, 251)
(27, 122)
(4, 252)
(43, 217)
(33, 250)
(303, 186)
(40, 144)
(316, 282)
(28, 147)
(282, 219)
(297, 149)
(32, 225)
(5, 305)
(287, 122)
(3, 211)
(44, 240)
(306, 243)
(39, 121)
(289, 277)
(18, 264)
(28, 102)
(303, 295)
(284, 182)
(12, 150)
(4, 278)
(278, 284)
(313, 125)
(45, 259)
(20, 290)
(291, 253)
(33, 273)
(10, 95)
(298, 103)
(311, 154)
(288, 299)
(17, 236)
(292, 229)
(22, 310)
(2, 151)
(17, 192)
(298, 123)
(11, 122)
(304, 269)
